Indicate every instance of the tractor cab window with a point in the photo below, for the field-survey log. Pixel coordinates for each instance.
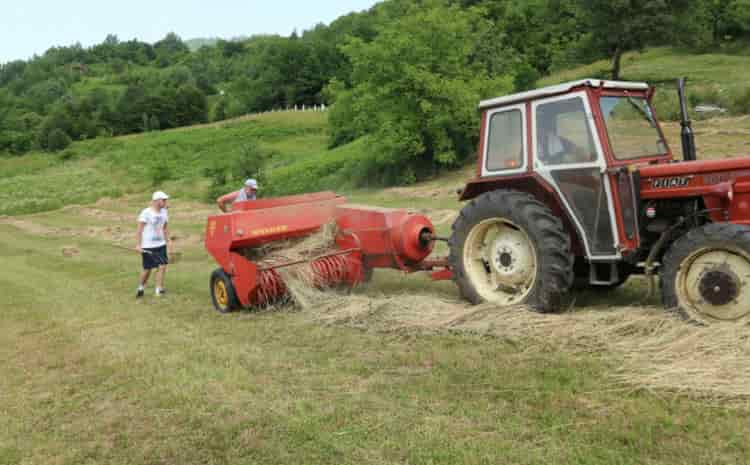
(631, 127)
(563, 133)
(505, 141)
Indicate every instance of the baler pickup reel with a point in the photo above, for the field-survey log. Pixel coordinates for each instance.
(355, 240)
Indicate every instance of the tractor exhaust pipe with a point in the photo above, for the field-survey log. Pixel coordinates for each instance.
(687, 135)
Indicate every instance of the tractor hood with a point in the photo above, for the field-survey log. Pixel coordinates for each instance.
(704, 178)
(733, 167)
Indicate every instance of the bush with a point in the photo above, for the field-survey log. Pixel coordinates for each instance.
(228, 174)
(57, 140)
(667, 105)
(219, 110)
(219, 181)
(740, 102)
(159, 172)
(525, 78)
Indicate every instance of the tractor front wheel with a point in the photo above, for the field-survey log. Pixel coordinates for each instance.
(507, 248)
(223, 294)
(705, 274)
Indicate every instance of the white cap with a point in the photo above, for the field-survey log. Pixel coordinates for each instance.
(251, 183)
(159, 195)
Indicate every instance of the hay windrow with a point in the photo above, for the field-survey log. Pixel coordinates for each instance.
(648, 347)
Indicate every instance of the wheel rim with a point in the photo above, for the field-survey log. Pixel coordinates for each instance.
(711, 283)
(220, 293)
(500, 261)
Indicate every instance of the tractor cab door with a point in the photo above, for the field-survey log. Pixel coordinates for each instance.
(569, 156)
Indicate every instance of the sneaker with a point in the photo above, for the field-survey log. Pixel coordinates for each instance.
(138, 293)
(160, 292)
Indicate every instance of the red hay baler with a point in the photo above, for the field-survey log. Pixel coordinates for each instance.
(366, 238)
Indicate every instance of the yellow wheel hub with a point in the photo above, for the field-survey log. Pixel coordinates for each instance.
(713, 283)
(220, 293)
(500, 261)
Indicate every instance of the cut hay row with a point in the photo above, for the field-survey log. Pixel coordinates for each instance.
(651, 348)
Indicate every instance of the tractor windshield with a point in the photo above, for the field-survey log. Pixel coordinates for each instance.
(632, 128)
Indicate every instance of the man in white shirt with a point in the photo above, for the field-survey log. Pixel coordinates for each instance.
(151, 242)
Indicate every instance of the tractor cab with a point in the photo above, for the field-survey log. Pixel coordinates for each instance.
(574, 143)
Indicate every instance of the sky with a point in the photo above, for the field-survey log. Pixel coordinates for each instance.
(29, 27)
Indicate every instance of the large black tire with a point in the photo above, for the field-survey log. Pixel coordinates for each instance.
(550, 277)
(704, 274)
(223, 295)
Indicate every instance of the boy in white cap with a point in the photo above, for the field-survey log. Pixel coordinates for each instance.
(151, 242)
(248, 192)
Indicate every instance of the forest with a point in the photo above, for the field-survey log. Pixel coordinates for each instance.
(405, 74)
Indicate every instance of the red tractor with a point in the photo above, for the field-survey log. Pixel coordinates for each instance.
(577, 187)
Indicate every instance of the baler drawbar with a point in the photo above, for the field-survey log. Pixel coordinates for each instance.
(365, 238)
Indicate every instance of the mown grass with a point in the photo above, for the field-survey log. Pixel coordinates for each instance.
(87, 375)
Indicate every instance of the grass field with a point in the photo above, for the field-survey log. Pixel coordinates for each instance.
(399, 372)
(89, 375)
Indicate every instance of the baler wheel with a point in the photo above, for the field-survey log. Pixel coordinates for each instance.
(705, 274)
(223, 294)
(508, 248)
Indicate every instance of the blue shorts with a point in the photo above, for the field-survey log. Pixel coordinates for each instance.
(154, 258)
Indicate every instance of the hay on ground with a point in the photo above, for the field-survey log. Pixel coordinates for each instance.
(650, 347)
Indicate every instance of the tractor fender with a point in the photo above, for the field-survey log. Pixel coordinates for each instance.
(535, 185)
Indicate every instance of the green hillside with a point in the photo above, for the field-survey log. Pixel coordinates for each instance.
(296, 145)
(717, 77)
(179, 161)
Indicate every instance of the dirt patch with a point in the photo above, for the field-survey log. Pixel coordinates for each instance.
(425, 192)
(29, 226)
(70, 251)
(113, 234)
(104, 215)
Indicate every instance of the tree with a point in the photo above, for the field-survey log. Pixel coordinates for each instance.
(219, 112)
(153, 123)
(617, 26)
(57, 140)
(727, 17)
(190, 106)
(414, 90)
(169, 49)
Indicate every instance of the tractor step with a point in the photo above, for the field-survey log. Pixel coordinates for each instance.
(604, 274)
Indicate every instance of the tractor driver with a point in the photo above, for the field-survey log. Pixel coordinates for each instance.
(248, 192)
(553, 149)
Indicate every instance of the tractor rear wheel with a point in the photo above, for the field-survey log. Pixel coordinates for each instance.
(704, 276)
(508, 248)
(223, 294)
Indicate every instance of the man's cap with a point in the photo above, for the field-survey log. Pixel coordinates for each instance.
(159, 195)
(251, 183)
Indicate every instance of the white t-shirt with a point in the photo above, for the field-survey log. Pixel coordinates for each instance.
(153, 231)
